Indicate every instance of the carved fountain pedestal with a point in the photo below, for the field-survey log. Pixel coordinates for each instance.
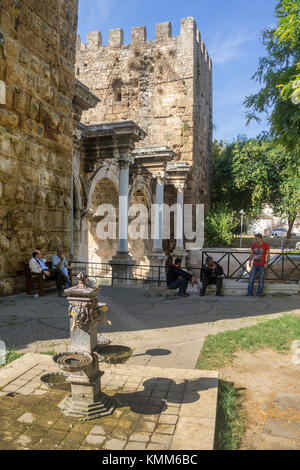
(82, 364)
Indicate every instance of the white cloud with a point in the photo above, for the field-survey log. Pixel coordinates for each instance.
(225, 48)
(102, 9)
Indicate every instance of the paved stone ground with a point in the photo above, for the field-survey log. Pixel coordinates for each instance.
(158, 409)
(163, 332)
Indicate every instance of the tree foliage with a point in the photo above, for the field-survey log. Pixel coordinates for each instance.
(270, 174)
(224, 188)
(256, 172)
(287, 32)
(220, 225)
(279, 68)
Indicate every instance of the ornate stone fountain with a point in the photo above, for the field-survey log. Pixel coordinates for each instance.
(81, 364)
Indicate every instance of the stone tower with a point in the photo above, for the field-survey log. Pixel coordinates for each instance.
(164, 85)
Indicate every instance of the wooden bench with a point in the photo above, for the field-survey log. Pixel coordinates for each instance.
(37, 280)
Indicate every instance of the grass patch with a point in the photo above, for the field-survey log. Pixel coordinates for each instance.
(219, 350)
(230, 423)
(11, 356)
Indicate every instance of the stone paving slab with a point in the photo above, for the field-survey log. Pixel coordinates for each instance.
(162, 409)
(31, 363)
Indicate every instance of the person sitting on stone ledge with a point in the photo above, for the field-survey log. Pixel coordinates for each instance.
(211, 273)
(38, 265)
(177, 278)
(59, 262)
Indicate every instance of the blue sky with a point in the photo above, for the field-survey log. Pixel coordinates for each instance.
(231, 30)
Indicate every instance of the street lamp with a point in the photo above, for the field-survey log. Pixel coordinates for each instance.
(242, 213)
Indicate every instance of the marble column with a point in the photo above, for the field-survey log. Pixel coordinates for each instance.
(123, 206)
(157, 257)
(179, 251)
(122, 261)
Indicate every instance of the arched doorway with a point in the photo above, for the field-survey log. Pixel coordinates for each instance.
(78, 240)
(140, 248)
(102, 245)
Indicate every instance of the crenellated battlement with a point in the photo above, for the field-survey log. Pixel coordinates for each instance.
(189, 34)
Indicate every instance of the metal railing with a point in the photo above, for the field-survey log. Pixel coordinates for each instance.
(143, 274)
(282, 267)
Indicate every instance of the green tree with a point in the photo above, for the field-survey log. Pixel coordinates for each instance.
(247, 174)
(287, 33)
(219, 226)
(270, 175)
(289, 195)
(224, 189)
(279, 67)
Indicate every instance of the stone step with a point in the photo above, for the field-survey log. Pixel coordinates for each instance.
(233, 287)
(230, 287)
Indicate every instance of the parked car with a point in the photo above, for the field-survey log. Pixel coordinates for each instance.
(280, 232)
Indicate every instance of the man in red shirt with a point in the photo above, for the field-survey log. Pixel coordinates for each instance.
(259, 259)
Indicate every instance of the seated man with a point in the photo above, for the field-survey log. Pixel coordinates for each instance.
(177, 278)
(59, 262)
(37, 265)
(211, 273)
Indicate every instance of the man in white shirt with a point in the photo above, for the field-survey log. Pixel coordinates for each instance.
(59, 262)
(37, 265)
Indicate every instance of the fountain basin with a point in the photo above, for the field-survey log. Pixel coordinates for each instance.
(56, 381)
(73, 361)
(113, 354)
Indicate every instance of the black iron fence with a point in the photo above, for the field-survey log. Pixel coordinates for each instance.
(284, 267)
(142, 274)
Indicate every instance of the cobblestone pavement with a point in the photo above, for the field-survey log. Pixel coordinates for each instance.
(157, 409)
(162, 331)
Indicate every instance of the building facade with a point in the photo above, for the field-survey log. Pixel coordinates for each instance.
(82, 126)
(165, 87)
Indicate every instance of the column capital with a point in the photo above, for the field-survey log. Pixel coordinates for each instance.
(124, 160)
(179, 185)
(160, 176)
(139, 182)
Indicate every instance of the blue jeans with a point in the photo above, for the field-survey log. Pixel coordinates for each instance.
(182, 283)
(261, 274)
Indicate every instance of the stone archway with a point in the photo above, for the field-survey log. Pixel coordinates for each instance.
(109, 172)
(79, 236)
(101, 249)
(140, 195)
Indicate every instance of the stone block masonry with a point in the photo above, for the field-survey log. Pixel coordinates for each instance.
(37, 56)
(164, 85)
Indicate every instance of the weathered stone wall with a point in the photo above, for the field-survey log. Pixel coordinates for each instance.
(37, 56)
(164, 85)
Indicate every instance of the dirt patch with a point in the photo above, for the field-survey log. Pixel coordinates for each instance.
(261, 376)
